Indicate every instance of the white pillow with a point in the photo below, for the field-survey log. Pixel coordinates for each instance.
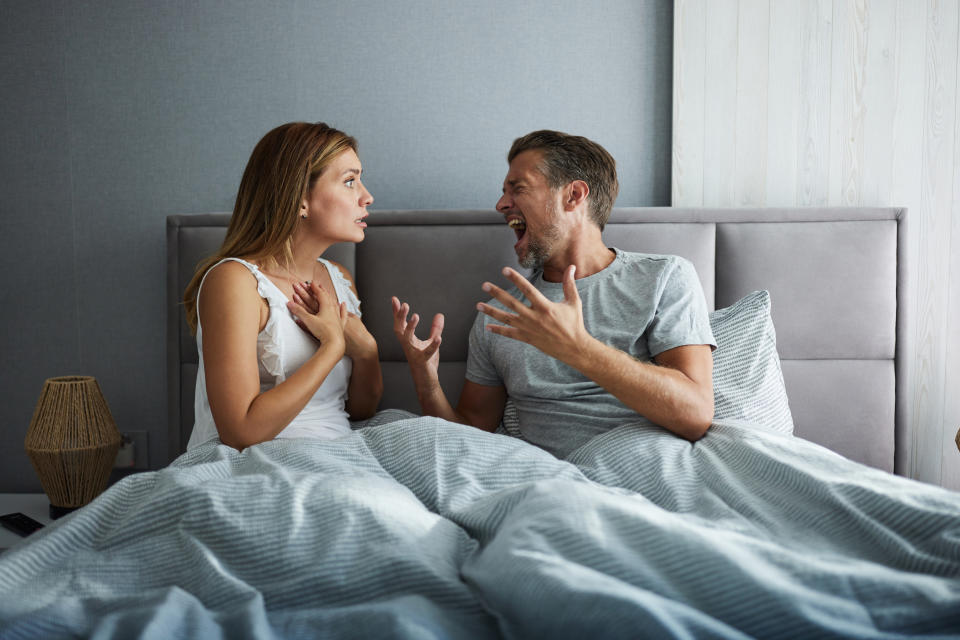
(747, 379)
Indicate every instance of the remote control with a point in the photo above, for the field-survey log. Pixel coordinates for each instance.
(20, 523)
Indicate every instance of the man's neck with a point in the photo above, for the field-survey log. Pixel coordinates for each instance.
(589, 254)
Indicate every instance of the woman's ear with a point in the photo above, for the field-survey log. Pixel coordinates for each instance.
(303, 209)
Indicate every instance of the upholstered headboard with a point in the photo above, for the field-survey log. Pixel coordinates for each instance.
(837, 279)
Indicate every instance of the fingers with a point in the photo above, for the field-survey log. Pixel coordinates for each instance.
(298, 310)
(436, 328)
(503, 297)
(405, 330)
(344, 315)
(408, 332)
(570, 293)
(399, 316)
(313, 308)
(318, 292)
(497, 314)
(432, 347)
(526, 288)
(509, 332)
(306, 298)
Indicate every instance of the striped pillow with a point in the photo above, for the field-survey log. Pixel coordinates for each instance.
(747, 380)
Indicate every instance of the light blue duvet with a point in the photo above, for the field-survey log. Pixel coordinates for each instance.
(426, 529)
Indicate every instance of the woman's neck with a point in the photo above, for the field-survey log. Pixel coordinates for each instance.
(305, 253)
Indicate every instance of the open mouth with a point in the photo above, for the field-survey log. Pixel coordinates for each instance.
(518, 225)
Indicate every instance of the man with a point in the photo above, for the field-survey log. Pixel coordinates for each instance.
(596, 338)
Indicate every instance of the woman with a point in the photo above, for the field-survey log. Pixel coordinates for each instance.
(283, 352)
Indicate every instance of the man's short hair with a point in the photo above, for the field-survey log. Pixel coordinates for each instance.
(567, 158)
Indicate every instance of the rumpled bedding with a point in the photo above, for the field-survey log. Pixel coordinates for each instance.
(421, 528)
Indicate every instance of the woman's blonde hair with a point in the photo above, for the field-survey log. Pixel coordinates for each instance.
(282, 170)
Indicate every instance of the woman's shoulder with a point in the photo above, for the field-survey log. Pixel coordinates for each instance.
(228, 284)
(339, 267)
(343, 271)
(232, 268)
(230, 274)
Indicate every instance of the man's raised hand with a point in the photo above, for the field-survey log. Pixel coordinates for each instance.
(556, 328)
(422, 355)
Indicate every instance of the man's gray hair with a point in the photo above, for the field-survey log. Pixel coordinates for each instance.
(567, 158)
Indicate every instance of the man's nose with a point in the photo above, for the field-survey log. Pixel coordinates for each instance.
(504, 203)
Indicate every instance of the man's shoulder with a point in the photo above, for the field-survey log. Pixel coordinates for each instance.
(659, 260)
(650, 265)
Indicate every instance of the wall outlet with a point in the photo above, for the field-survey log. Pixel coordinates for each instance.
(133, 453)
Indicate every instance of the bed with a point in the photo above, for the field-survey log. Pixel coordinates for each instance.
(786, 520)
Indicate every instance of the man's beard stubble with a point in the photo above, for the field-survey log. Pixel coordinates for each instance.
(540, 249)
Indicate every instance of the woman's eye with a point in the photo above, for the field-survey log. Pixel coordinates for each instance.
(350, 182)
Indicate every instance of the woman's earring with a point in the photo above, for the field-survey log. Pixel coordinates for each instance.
(303, 215)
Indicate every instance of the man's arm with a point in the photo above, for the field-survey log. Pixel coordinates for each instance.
(480, 406)
(676, 393)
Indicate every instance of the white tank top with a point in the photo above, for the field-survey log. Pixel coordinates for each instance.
(282, 347)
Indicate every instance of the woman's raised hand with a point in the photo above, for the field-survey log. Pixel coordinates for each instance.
(320, 314)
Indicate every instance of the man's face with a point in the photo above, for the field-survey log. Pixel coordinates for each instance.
(532, 209)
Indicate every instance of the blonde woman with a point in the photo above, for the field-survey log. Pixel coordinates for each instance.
(283, 352)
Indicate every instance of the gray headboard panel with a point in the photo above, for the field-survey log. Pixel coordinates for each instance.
(837, 278)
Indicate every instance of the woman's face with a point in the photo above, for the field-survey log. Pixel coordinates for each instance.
(337, 203)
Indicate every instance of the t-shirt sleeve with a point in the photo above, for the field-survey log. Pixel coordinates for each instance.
(480, 367)
(681, 317)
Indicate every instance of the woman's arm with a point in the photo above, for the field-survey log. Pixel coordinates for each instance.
(366, 380)
(229, 309)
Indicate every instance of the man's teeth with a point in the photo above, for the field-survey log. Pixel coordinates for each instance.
(516, 223)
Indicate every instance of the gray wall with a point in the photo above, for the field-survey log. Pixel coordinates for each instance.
(117, 114)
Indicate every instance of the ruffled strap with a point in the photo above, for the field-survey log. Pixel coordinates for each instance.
(267, 290)
(342, 285)
(268, 342)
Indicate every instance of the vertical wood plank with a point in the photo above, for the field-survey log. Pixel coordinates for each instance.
(720, 88)
(875, 122)
(846, 101)
(783, 103)
(878, 89)
(815, 24)
(753, 59)
(907, 161)
(950, 457)
(934, 222)
(839, 69)
(689, 37)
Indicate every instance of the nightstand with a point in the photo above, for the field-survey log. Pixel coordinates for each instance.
(35, 505)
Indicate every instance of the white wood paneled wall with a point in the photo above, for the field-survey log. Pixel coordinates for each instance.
(838, 103)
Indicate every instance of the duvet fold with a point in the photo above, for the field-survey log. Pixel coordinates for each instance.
(422, 528)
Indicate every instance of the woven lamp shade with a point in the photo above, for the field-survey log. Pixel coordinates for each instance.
(72, 441)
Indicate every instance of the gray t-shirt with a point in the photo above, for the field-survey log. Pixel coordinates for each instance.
(642, 304)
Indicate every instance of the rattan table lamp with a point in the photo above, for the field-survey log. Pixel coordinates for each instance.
(72, 442)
